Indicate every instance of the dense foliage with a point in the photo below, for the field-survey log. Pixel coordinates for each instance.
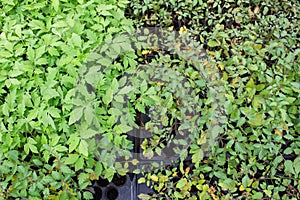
(255, 45)
(43, 44)
(48, 51)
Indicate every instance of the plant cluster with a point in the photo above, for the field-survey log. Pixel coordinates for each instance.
(43, 46)
(255, 45)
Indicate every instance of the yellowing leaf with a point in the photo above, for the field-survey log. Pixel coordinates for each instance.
(174, 174)
(163, 179)
(256, 10)
(141, 180)
(154, 178)
(182, 30)
(221, 67)
(278, 132)
(134, 161)
(159, 84)
(241, 188)
(187, 170)
(145, 52)
(235, 80)
(285, 128)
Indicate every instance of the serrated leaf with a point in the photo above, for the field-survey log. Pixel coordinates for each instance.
(239, 148)
(124, 128)
(114, 85)
(55, 4)
(83, 148)
(75, 115)
(32, 148)
(56, 175)
(220, 175)
(41, 61)
(126, 90)
(76, 40)
(197, 156)
(73, 142)
(79, 164)
(109, 174)
(89, 133)
(30, 54)
(89, 115)
(60, 148)
(71, 159)
(108, 97)
(257, 195)
(40, 51)
(31, 141)
(54, 112)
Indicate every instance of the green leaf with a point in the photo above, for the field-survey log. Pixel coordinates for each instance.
(54, 112)
(31, 141)
(257, 195)
(126, 90)
(213, 43)
(60, 148)
(13, 154)
(239, 148)
(73, 142)
(109, 174)
(56, 175)
(257, 120)
(87, 195)
(141, 180)
(79, 164)
(197, 156)
(180, 184)
(114, 85)
(89, 133)
(220, 175)
(144, 196)
(40, 51)
(124, 128)
(71, 159)
(288, 167)
(41, 61)
(89, 114)
(108, 97)
(75, 115)
(76, 40)
(54, 140)
(55, 4)
(297, 166)
(30, 54)
(83, 148)
(32, 148)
